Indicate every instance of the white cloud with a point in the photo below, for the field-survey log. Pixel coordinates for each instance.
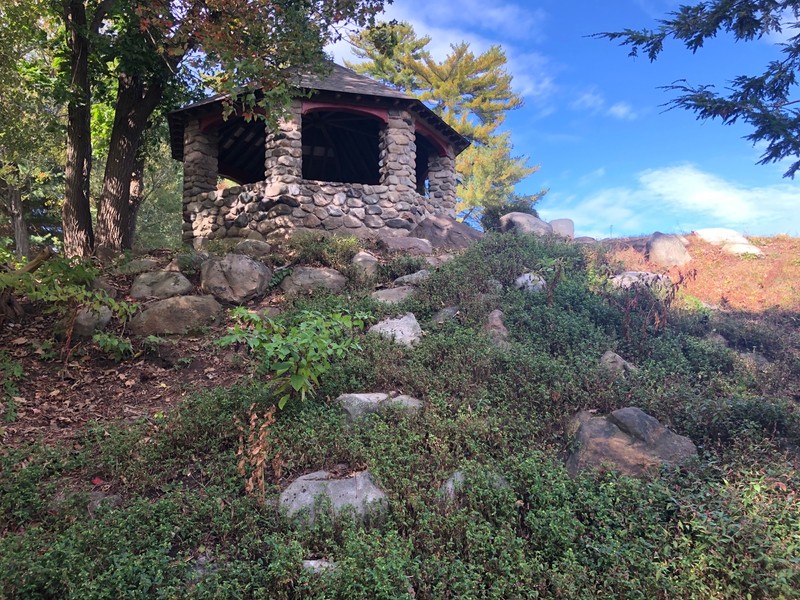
(593, 102)
(681, 198)
(590, 100)
(622, 110)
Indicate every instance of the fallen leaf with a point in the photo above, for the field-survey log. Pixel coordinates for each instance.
(20, 341)
(97, 481)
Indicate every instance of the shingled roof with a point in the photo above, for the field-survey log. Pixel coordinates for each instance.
(342, 79)
(339, 82)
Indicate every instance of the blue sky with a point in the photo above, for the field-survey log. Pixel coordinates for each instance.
(593, 119)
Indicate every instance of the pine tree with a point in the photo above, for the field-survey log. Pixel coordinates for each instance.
(470, 93)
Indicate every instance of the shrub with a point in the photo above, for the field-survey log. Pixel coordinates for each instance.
(295, 355)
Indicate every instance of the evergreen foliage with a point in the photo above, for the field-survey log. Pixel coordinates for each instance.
(470, 93)
(767, 102)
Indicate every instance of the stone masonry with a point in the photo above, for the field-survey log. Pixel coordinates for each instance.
(285, 202)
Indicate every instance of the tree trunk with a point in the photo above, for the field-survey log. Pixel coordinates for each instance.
(22, 240)
(75, 215)
(136, 101)
(135, 198)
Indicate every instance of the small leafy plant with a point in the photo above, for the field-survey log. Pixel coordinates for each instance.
(10, 373)
(115, 347)
(295, 355)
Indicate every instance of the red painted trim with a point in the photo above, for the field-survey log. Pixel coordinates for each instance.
(432, 136)
(379, 113)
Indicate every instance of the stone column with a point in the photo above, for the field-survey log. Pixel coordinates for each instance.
(442, 184)
(397, 153)
(284, 149)
(200, 165)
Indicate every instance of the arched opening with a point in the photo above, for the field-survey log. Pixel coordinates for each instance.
(340, 146)
(425, 150)
(241, 150)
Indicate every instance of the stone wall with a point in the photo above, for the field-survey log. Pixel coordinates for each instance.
(285, 202)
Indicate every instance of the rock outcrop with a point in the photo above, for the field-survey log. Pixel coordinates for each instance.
(628, 440)
(356, 492)
(523, 223)
(234, 278)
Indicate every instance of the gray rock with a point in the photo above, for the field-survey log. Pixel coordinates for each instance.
(755, 361)
(136, 266)
(366, 263)
(309, 279)
(615, 363)
(438, 261)
(102, 283)
(448, 313)
(359, 406)
(318, 566)
(530, 283)
(357, 492)
(731, 241)
(666, 250)
(160, 284)
(628, 440)
(413, 278)
(87, 322)
(253, 248)
(399, 224)
(394, 295)
(407, 245)
(742, 249)
(404, 330)
(631, 279)
(234, 278)
(563, 227)
(496, 329)
(523, 223)
(444, 232)
(176, 315)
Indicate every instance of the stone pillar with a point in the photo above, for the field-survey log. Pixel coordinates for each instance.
(397, 153)
(283, 159)
(200, 166)
(442, 184)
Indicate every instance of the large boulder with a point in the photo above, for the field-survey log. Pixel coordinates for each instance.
(628, 440)
(394, 295)
(160, 284)
(563, 227)
(87, 321)
(356, 492)
(176, 315)
(358, 406)
(406, 245)
(666, 250)
(309, 279)
(413, 278)
(729, 240)
(444, 232)
(404, 330)
(523, 223)
(366, 263)
(234, 278)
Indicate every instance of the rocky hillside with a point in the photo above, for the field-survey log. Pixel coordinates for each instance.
(529, 417)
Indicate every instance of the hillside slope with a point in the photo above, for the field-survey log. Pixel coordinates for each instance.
(182, 503)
